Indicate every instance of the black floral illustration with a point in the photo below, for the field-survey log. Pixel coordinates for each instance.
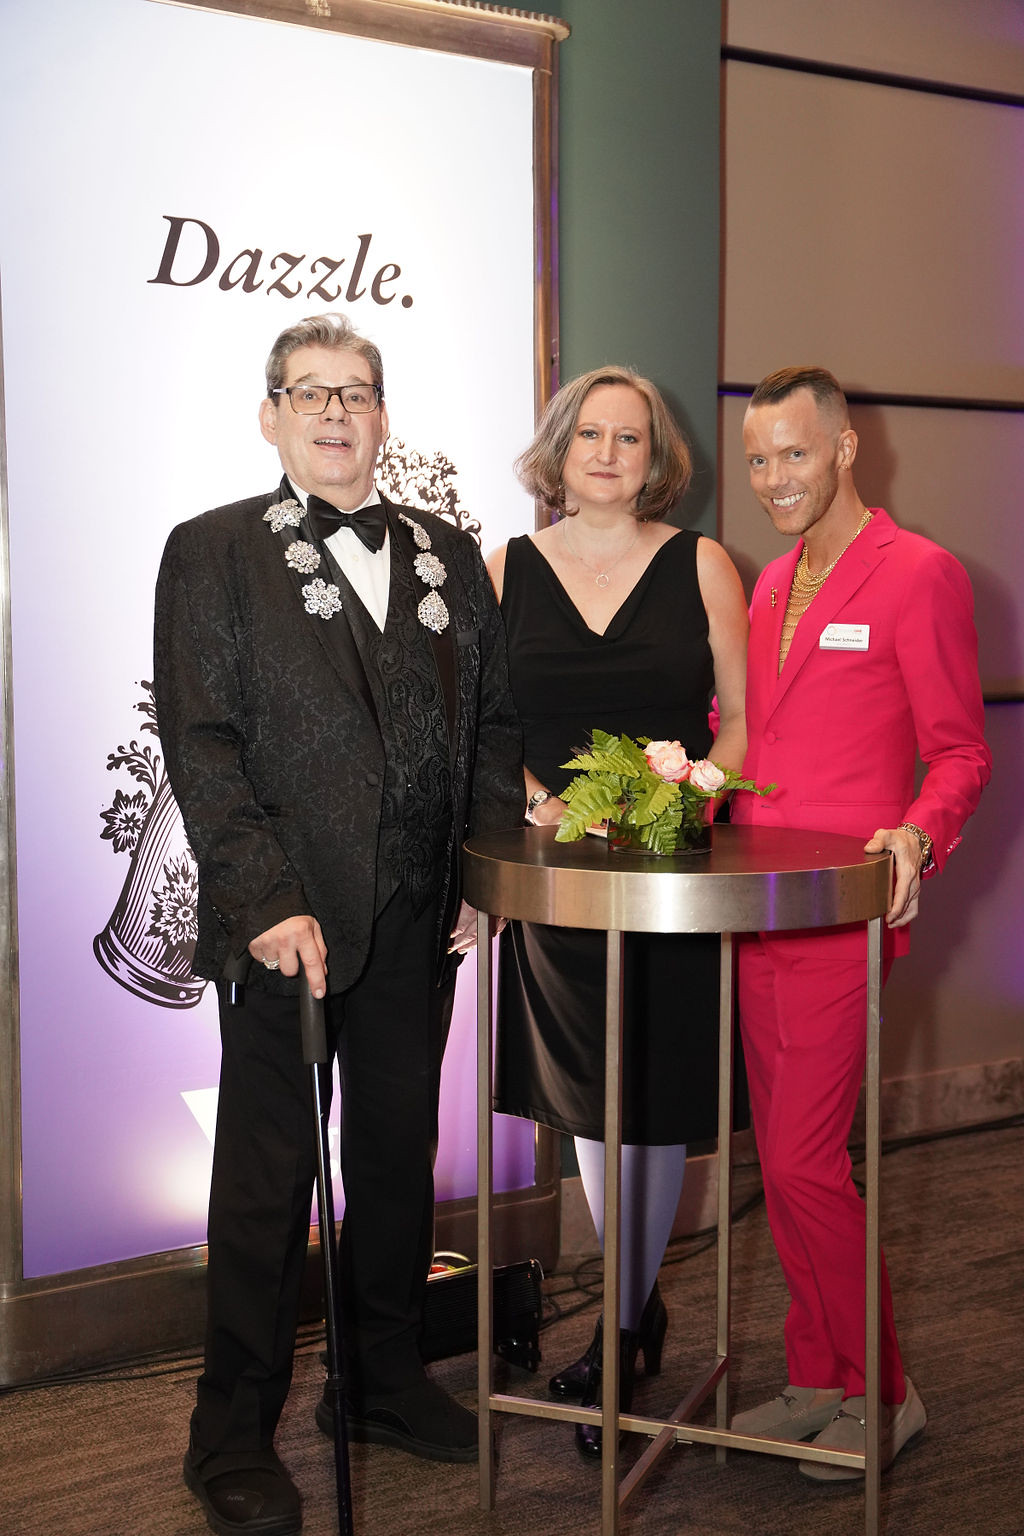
(148, 944)
(427, 481)
(173, 911)
(124, 820)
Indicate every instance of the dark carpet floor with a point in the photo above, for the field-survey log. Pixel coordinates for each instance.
(103, 1457)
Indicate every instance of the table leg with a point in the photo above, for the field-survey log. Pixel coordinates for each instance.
(612, 1234)
(484, 1189)
(872, 1341)
(725, 1080)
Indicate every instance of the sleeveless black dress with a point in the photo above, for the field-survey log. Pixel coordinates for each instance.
(650, 674)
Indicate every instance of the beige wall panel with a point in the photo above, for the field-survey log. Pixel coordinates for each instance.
(954, 476)
(879, 228)
(979, 43)
(958, 997)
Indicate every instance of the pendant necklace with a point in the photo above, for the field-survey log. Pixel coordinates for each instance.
(602, 574)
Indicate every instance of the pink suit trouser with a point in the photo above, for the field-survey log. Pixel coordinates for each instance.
(803, 1007)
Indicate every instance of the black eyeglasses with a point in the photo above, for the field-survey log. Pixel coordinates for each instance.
(312, 399)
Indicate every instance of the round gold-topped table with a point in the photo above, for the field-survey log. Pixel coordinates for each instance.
(754, 879)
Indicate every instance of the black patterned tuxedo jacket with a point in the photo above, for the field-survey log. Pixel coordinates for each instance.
(272, 742)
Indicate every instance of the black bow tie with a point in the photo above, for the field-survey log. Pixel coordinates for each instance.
(367, 523)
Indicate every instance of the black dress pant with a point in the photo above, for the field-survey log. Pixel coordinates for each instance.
(388, 1031)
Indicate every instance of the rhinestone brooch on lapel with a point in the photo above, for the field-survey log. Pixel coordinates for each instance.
(432, 611)
(283, 514)
(319, 597)
(322, 597)
(302, 557)
(430, 570)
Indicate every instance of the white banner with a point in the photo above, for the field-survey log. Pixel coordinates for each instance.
(177, 187)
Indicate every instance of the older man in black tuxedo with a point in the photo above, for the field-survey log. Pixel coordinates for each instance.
(335, 715)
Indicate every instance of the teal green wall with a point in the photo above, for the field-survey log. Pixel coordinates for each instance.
(639, 213)
(639, 206)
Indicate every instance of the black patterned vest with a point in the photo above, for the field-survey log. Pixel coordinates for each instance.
(414, 847)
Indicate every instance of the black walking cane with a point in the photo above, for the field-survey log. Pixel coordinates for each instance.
(313, 1030)
(314, 1054)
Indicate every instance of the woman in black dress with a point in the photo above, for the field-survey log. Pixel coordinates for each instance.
(619, 621)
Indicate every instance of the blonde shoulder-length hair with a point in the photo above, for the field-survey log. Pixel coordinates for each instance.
(539, 468)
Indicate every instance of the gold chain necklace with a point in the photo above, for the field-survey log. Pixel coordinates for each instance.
(602, 574)
(803, 591)
(803, 581)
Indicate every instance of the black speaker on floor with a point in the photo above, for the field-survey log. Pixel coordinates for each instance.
(449, 1314)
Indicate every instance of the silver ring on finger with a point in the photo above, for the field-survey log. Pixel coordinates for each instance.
(272, 965)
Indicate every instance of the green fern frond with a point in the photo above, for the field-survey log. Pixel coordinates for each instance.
(589, 802)
(652, 801)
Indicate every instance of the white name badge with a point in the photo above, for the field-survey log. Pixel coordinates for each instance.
(844, 637)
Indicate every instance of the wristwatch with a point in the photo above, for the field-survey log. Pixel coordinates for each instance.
(537, 798)
(926, 843)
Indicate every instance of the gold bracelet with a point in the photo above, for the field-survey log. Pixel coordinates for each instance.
(927, 857)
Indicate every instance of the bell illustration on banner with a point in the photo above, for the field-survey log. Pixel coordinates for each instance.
(149, 941)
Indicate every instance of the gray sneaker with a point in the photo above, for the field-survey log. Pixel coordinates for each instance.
(796, 1414)
(848, 1432)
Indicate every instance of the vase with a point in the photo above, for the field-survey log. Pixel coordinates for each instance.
(690, 839)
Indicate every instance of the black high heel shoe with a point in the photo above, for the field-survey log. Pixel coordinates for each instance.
(571, 1382)
(650, 1334)
(589, 1437)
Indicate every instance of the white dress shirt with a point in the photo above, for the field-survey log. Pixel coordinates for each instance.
(369, 570)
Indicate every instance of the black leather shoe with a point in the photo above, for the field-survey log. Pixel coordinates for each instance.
(650, 1333)
(588, 1436)
(244, 1493)
(422, 1420)
(571, 1382)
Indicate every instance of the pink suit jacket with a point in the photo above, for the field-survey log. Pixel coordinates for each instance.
(840, 730)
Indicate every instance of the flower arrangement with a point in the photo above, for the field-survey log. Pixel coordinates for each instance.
(654, 799)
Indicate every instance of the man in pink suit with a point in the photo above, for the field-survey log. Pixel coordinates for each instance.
(863, 656)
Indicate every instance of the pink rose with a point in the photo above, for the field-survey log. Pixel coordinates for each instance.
(668, 760)
(707, 776)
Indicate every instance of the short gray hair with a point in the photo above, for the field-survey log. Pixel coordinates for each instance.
(332, 330)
